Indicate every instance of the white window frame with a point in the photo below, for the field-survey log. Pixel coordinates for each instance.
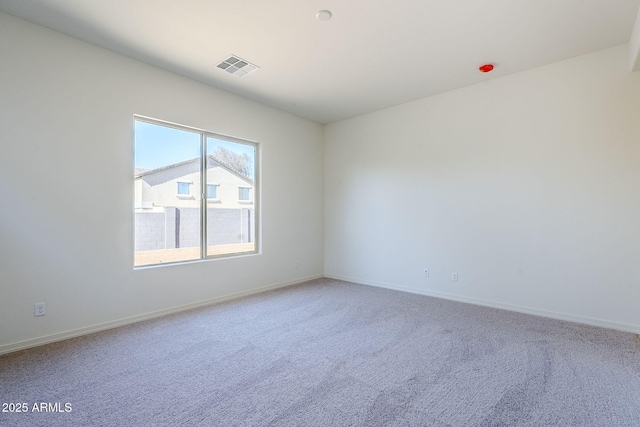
(245, 201)
(203, 190)
(212, 199)
(184, 195)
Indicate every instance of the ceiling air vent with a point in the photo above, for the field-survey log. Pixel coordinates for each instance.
(237, 66)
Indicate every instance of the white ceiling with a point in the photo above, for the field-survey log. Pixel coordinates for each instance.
(373, 53)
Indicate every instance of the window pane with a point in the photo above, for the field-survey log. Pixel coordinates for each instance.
(167, 227)
(231, 224)
(243, 194)
(212, 191)
(183, 188)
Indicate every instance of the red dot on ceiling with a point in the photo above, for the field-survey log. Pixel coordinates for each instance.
(485, 68)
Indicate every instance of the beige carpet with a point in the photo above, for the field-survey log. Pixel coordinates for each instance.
(329, 353)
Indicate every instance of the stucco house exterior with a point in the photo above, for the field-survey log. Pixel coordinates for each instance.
(167, 206)
(178, 185)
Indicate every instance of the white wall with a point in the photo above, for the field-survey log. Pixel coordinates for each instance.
(66, 189)
(527, 186)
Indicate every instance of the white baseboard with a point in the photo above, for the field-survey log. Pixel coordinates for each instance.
(21, 345)
(9, 348)
(624, 327)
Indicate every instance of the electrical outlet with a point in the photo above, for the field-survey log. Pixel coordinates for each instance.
(454, 277)
(425, 272)
(39, 309)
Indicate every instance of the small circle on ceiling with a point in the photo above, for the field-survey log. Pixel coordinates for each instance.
(324, 15)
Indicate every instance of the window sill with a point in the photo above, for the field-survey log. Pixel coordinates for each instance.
(184, 196)
(214, 201)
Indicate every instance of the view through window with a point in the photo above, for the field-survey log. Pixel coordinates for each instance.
(194, 194)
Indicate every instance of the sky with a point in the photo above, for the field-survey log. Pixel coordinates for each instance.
(157, 146)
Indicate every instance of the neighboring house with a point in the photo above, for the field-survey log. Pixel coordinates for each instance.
(167, 206)
(178, 185)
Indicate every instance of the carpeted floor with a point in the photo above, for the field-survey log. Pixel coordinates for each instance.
(330, 353)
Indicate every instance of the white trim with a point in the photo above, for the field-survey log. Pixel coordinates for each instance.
(634, 46)
(47, 339)
(624, 327)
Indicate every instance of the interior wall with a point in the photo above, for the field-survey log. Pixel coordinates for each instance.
(66, 188)
(526, 186)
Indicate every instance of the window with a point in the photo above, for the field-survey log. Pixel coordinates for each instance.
(212, 191)
(197, 166)
(183, 188)
(243, 194)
